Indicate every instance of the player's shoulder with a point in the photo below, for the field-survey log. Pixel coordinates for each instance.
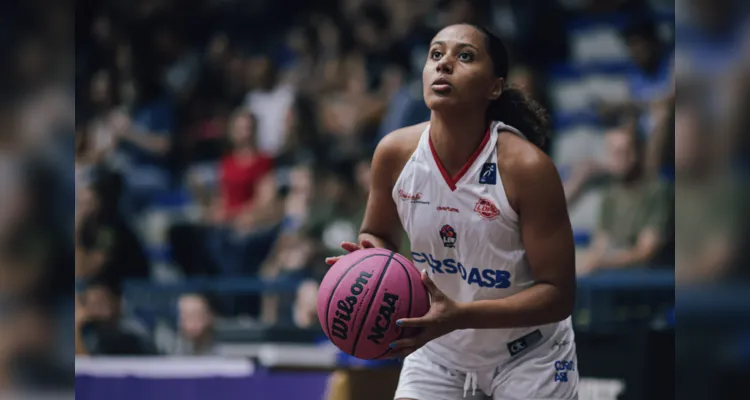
(397, 146)
(520, 159)
(395, 149)
(403, 141)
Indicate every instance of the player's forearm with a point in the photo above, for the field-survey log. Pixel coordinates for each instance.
(540, 304)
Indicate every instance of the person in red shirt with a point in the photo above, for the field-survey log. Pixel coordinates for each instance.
(240, 227)
(241, 172)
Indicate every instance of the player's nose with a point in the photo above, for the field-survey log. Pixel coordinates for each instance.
(444, 66)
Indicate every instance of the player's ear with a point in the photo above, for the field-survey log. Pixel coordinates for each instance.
(497, 89)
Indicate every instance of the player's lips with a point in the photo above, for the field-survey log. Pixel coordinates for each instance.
(441, 85)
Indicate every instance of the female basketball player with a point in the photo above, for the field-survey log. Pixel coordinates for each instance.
(486, 215)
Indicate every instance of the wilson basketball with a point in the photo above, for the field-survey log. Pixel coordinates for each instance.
(363, 295)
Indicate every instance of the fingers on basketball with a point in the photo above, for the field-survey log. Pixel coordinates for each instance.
(332, 260)
(350, 247)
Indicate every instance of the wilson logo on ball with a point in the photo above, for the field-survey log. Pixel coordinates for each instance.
(340, 324)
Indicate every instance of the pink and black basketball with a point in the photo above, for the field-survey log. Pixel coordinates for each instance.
(363, 295)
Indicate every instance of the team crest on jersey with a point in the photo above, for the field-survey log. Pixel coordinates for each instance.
(486, 209)
(448, 234)
(488, 175)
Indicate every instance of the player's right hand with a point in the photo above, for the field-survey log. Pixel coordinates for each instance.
(350, 247)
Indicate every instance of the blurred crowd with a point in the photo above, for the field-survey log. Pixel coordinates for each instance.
(264, 115)
(36, 196)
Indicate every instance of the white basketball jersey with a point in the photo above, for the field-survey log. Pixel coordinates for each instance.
(465, 233)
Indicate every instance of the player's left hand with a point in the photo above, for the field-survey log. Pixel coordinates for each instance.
(441, 319)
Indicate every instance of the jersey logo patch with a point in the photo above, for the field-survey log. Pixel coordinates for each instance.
(488, 175)
(524, 342)
(448, 234)
(486, 209)
(414, 198)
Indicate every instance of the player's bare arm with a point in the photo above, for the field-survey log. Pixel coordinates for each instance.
(381, 224)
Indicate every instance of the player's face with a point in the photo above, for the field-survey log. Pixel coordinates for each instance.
(458, 71)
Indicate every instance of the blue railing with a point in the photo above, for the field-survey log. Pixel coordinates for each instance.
(606, 301)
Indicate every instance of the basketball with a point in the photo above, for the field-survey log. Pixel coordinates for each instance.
(363, 295)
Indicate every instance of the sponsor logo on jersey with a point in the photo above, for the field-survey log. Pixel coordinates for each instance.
(414, 198)
(486, 209)
(482, 277)
(448, 234)
(448, 209)
(488, 174)
(562, 368)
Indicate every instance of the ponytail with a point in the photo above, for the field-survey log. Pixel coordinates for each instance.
(513, 107)
(516, 109)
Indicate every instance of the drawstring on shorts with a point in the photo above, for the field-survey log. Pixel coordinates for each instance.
(471, 381)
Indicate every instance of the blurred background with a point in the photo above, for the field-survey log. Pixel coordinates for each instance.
(221, 149)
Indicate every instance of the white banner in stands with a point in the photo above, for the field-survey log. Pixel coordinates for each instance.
(164, 367)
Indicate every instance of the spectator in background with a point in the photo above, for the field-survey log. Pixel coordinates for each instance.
(244, 185)
(270, 101)
(101, 325)
(182, 63)
(290, 263)
(635, 212)
(335, 211)
(104, 242)
(143, 144)
(650, 84)
(243, 220)
(98, 136)
(590, 172)
(303, 143)
(196, 324)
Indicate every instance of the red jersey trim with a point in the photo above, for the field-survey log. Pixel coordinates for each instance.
(451, 181)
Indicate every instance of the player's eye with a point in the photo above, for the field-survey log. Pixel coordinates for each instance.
(435, 54)
(465, 57)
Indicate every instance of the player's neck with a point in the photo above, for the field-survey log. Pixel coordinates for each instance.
(456, 138)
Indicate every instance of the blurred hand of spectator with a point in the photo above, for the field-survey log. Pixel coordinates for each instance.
(580, 175)
(305, 312)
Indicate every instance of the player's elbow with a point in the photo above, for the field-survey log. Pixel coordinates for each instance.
(565, 303)
(565, 308)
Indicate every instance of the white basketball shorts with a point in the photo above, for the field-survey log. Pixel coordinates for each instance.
(546, 371)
